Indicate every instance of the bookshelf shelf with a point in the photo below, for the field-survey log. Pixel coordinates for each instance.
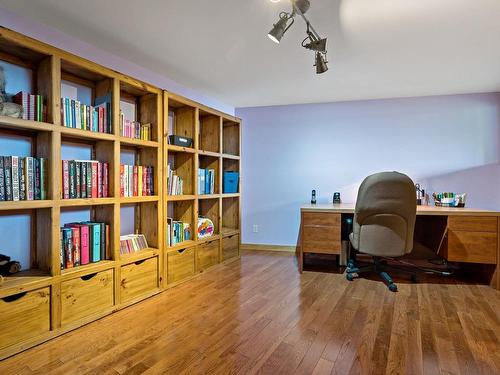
(130, 278)
(231, 195)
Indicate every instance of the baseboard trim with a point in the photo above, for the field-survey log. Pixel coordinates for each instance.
(263, 247)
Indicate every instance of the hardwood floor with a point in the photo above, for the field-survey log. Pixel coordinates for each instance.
(258, 315)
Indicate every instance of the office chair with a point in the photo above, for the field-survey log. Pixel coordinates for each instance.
(384, 221)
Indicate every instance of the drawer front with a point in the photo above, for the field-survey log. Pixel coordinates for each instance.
(207, 255)
(23, 316)
(86, 295)
(472, 247)
(321, 218)
(325, 240)
(138, 278)
(230, 247)
(473, 223)
(180, 265)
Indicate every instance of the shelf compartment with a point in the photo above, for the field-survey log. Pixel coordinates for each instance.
(183, 165)
(210, 162)
(138, 278)
(182, 120)
(230, 214)
(231, 137)
(210, 208)
(180, 264)
(149, 157)
(210, 132)
(140, 218)
(183, 211)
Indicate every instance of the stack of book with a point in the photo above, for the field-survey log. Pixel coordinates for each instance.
(134, 129)
(85, 179)
(23, 178)
(174, 182)
(132, 243)
(206, 181)
(33, 106)
(83, 243)
(136, 181)
(177, 232)
(96, 118)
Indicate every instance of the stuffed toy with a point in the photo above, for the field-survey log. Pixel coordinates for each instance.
(7, 108)
(7, 266)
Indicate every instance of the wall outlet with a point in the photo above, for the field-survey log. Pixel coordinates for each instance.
(255, 228)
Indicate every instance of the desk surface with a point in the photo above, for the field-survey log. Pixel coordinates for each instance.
(348, 208)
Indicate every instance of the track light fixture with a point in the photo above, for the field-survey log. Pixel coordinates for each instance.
(312, 41)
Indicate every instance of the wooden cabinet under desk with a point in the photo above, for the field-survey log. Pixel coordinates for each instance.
(468, 235)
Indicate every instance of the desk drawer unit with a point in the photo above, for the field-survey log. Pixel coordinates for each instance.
(472, 239)
(321, 233)
(86, 296)
(180, 265)
(23, 316)
(207, 255)
(138, 278)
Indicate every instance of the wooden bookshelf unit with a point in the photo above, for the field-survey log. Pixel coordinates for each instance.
(44, 301)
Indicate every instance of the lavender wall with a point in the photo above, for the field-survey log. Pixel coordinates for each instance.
(447, 143)
(53, 37)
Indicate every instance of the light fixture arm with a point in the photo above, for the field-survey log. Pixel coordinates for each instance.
(310, 28)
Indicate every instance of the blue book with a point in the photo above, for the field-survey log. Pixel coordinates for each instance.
(207, 181)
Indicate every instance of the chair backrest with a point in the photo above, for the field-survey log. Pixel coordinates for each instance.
(384, 218)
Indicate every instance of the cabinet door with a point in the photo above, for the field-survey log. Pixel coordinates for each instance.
(321, 233)
(472, 247)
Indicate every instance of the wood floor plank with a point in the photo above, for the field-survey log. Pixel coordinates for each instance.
(260, 316)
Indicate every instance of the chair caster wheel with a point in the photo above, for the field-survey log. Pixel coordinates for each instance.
(350, 264)
(393, 287)
(349, 277)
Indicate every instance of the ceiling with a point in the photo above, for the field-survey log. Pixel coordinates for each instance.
(377, 48)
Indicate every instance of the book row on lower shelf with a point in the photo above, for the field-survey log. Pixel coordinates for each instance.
(132, 243)
(75, 114)
(175, 185)
(134, 129)
(34, 108)
(83, 243)
(136, 181)
(177, 232)
(206, 181)
(23, 178)
(85, 179)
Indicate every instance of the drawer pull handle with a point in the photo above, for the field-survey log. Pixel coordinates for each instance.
(181, 251)
(139, 262)
(15, 297)
(88, 277)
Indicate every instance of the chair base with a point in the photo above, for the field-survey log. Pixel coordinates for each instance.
(380, 266)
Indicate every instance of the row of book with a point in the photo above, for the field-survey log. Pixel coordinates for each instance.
(96, 118)
(206, 181)
(134, 129)
(177, 232)
(33, 106)
(23, 178)
(136, 181)
(85, 179)
(132, 243)
(83, 243)
(174, 183)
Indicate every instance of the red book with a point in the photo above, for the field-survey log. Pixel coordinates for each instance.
(105, 180)
(144, 181)
(94, 180)
(76, 246)
(84, 242)
(136, 183)
(99, 180)
(122, 180)
(101, 119)
(65, 179)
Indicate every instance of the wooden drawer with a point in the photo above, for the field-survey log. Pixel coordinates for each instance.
(321, 218)
(325, 240)
(180, 265)
(23, 316)
(138, 278)
(86, 296)
(230, 247)
(207, 255)
(472, 247)
(473, 223)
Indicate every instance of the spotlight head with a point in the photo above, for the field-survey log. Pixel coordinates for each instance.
(279, 28)
(320, 65)
(317, 45)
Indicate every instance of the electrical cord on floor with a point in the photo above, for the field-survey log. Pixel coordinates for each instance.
(423, 269)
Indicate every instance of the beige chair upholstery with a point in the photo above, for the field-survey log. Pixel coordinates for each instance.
(384, 218)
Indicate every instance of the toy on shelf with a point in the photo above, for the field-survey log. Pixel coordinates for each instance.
(7, 266)
(205, 228)
(449, 199)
